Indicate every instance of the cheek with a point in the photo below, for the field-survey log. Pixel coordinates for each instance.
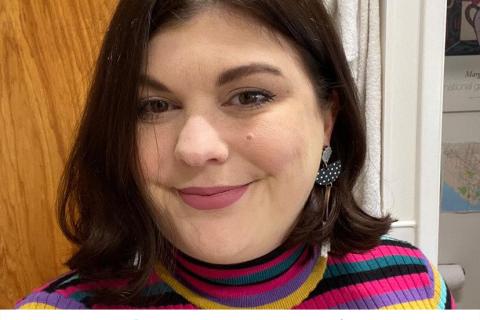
(276, 145)
(287, 144)
(149, 146)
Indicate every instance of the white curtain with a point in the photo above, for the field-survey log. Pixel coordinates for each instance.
(359, 24)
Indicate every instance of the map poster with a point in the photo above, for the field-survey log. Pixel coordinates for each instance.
(461, 177)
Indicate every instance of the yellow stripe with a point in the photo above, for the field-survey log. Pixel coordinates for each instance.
(36, 305)
(288, 302)
(431, 303)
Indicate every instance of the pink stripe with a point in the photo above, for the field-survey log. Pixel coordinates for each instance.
(153, 278)
(354, 292)
(454, 305)
(416, 277)
(315, 303)
(236, 291)
(43, 287)
(117, 306)
(378, 252)
(91, 286)
(369, 285)
(178, 306)
(49, 283)
(173, 306)
(225, 274)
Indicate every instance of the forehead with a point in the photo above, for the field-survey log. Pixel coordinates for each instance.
(220, 36)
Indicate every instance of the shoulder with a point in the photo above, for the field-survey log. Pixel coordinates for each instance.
(64, 292)
(71, 291)
(393, 275)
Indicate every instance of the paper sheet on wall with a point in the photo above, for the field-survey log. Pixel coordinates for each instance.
(461, 177)
(462, 83)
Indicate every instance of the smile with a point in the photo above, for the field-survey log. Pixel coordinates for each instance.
(212, 198)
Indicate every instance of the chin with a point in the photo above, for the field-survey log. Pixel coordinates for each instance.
(218, 253)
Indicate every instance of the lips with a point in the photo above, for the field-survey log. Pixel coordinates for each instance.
(207, 191)
(213, 197)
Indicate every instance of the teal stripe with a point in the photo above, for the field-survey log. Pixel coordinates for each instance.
(78, 296)
(261, 275)
(340, 269)
(443, 294)
(157, 289)
(388, 237)
(73, 277)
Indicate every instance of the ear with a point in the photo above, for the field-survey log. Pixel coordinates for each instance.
(329, 117)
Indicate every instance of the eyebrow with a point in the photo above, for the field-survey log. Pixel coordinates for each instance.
(225, 77)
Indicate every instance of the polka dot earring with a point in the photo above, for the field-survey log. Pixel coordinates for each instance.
(330, 172)
(325, 177)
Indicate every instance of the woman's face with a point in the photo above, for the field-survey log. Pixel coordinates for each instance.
(227, 104)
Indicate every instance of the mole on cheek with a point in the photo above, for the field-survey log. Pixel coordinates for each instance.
(250, 136)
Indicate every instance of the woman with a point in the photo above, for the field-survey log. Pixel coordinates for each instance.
(214, 168)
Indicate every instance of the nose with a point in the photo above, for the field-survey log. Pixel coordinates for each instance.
(200, 143)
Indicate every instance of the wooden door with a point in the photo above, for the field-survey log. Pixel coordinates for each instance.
(47, 53)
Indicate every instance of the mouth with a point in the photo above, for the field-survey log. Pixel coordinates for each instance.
(208, 191)
(210, 198)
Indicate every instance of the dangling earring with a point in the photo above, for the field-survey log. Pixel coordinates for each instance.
(330, 172)
(325, 177)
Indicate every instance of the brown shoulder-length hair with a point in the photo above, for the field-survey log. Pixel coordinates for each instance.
(101, 205)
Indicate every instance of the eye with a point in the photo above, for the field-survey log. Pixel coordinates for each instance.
(151, 109)
(252, 98)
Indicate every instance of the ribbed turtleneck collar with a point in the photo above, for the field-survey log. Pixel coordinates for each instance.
(280, 279)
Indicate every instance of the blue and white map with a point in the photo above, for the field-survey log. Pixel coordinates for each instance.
(461, 177)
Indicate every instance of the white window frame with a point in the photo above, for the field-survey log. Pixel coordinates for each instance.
(413, 42)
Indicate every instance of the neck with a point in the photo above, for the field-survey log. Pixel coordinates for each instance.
(276, 278)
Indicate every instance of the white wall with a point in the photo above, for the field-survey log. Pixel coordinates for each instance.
(459, 236)
(459, 244)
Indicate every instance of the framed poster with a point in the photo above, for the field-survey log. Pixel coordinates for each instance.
(461, 163)
(462, 84)
(463, 28)
(461, 177)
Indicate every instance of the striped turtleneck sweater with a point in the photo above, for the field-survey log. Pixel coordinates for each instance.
(393, 275)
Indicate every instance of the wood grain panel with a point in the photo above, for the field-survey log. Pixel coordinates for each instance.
(47, 54)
